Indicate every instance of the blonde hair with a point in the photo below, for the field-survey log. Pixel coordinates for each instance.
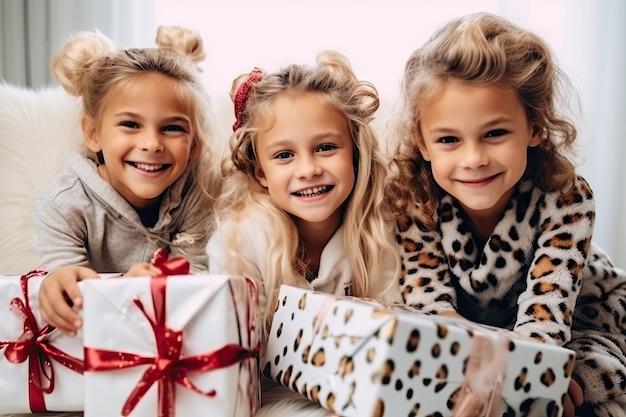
(88, 66)
(480, 49)
(366, 229)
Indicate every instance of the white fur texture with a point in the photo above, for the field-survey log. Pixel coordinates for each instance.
(279, 401)
(38, 130)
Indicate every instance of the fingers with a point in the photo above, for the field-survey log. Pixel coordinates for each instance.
(59, 295)
(155, 271)
(568, 407)
(576, 393)
(573, 399)
(143, 270)
(54, 306)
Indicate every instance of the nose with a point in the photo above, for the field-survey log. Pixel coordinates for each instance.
(151, 142)
(307, 167)
(475, 156)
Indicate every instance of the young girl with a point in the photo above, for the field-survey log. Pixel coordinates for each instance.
(142, 180)
(303, 200)
(493, 221)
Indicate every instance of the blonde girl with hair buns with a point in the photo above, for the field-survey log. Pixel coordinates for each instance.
(142, 179)
(303, 200)
(494, 223)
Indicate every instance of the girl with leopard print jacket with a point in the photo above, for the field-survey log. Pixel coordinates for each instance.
(493, 222)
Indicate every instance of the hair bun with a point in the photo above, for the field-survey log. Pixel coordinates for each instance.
(183, 41)
(71, 64)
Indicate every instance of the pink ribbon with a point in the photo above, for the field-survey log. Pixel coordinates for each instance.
(32, 345)
(482, 384)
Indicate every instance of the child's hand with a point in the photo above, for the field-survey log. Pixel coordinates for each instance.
(59, 293)
(574, 398)
(143, 270)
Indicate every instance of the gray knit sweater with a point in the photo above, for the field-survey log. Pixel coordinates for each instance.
(79, 219)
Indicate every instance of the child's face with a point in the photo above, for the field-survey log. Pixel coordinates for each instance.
(145, 138)
(305, 156)
(476, 138)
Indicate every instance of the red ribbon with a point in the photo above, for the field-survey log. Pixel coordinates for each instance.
(167, 368)
(32, 345)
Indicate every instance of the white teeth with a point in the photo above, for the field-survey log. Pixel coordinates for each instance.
(309, 192)
(148, 167)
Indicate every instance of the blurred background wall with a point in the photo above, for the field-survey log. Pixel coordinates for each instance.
(587, 36)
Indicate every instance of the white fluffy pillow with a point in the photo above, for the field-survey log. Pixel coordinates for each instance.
(38, 130)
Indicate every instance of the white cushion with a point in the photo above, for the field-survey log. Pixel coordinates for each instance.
(38, 130)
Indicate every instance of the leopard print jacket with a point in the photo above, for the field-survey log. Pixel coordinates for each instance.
(529, 274)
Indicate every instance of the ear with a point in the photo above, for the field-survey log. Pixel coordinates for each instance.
(424, 153)
(260, 175)
(88, 124)
(193, 152)
(536, 136)
(419, 142)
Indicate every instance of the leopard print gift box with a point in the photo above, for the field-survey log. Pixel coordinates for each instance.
(360, 358)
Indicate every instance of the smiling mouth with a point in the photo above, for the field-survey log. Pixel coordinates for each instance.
(481, 180)
(313, 191)
(149, 167)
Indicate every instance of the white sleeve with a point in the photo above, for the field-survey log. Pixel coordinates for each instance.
(250, 246)
(248, 257)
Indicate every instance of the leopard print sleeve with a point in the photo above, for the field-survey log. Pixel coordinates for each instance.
(425, 280)
(564, 230)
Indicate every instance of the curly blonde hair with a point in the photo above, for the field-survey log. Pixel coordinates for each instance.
(480, 49)
(88, 66)
(367, 233)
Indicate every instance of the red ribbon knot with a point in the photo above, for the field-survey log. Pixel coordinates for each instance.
(168, 367)
(32, 345)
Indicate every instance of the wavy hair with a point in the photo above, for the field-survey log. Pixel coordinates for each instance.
(480, 49)
(88, 66)
(366, 222)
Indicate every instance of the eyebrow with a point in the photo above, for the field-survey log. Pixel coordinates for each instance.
(138, 116)
(447, 130)
(317, 138)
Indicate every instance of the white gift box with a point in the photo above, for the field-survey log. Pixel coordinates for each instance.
(21, 331)
(358, 358)
(207, 314)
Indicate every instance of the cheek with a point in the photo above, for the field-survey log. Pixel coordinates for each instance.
(515, 156)
(437, 174)
(440, 164)
(521, 162)
(443, 170)
(348, 170)
(194, 150)
(269, 176)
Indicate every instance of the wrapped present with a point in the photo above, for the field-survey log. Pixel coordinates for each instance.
(358, 357)
(40, 367)
(161, 346)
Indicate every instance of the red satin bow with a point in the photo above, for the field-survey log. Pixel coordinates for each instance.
(167, 368)
(32, 345)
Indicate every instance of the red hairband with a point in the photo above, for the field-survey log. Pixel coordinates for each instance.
(242, 94)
